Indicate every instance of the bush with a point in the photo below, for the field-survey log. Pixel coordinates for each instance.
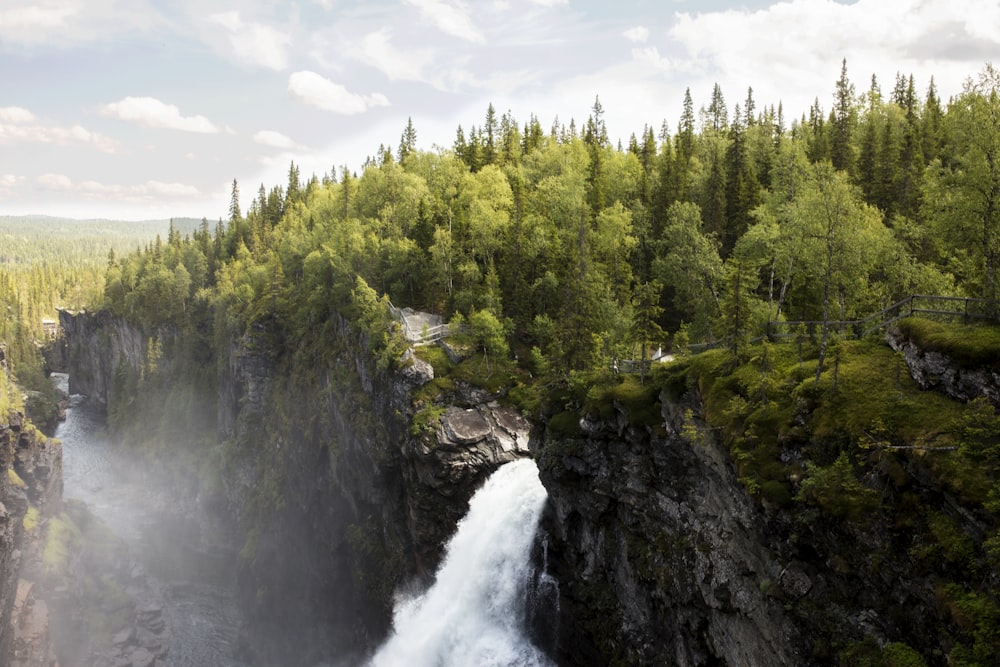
(837, 491)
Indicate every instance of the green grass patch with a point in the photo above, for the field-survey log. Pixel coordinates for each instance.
(426, 421)
(30, 520)
(869, 395)
(493, 375)
(864, 405)
(969, 345)
(640, 402)
(566, 423)
(63, 539)
(15, 479)
(436, 357)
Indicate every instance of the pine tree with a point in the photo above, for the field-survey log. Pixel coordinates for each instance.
(408, 141)
(685, 130)
(867, 165)
(818, 143)
(911, 159)
(750, 108)
(931, 125)
(234, 204)
(717, 113)
(844, 120)
(460, 147)
(492, 130)
(596, 134)
(293, 193)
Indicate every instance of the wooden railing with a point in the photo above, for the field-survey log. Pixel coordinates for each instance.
(425, 335)
(948, 308)
(430, 335)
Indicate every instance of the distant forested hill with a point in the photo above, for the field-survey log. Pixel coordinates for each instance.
(48, 262)
(25, 239)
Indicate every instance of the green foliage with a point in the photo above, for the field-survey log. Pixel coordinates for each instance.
(30, 521)
(978, 616)
(62, 541)
(566, 423)
(15, 479)
(489, 334)
(640, 402)
(868, 653)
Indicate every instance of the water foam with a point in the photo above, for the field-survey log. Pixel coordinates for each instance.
(474, 612)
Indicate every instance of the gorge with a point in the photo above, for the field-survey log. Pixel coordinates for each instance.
(337, 503)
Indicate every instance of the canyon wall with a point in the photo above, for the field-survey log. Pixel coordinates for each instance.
(30, 493)
(341, 493)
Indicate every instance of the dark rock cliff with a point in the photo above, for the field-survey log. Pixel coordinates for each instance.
(936, 370)
(660, 554)
(109, 343)
(30, 492)
(335, 502)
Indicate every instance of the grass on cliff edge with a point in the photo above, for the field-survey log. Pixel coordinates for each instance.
(970, 346)
(781, 425)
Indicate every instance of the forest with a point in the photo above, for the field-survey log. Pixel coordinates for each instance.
(572, 251)
(48, 262)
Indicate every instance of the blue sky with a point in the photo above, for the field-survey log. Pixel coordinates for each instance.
(140, 109)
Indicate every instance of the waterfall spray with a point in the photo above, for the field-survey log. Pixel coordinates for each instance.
(474, 612)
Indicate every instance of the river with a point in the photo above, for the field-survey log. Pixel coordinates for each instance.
(191, 578)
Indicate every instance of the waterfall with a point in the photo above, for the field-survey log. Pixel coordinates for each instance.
(474, 612)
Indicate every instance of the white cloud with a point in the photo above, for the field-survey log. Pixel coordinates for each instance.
(55, 182)
(550, 3)
(95, 190)
(319, 92)
(637, 34)
(16, 115)
(450, 17)
(31, 22)
(151, 112)
(376, 50)
(8, 182)
(650, 55)
(254, 43)
(805, 40)
(275, 140)
(20, 125)
(67, 23)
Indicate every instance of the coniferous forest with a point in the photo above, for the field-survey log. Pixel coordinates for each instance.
(574, 250)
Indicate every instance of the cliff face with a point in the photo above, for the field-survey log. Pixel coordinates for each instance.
(30, 492)
(935, 370)
(660, 555)
(110, 343)
(341, 490)
(334, 501)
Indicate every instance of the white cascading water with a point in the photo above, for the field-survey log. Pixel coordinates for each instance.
(474, 612)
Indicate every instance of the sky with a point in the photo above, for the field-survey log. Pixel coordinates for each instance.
(149, 109)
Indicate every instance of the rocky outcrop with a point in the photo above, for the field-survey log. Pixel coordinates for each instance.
(101, 348)
(30, 492)
(935, 370)
(362, 504)
(659, 552)
(32, 632)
